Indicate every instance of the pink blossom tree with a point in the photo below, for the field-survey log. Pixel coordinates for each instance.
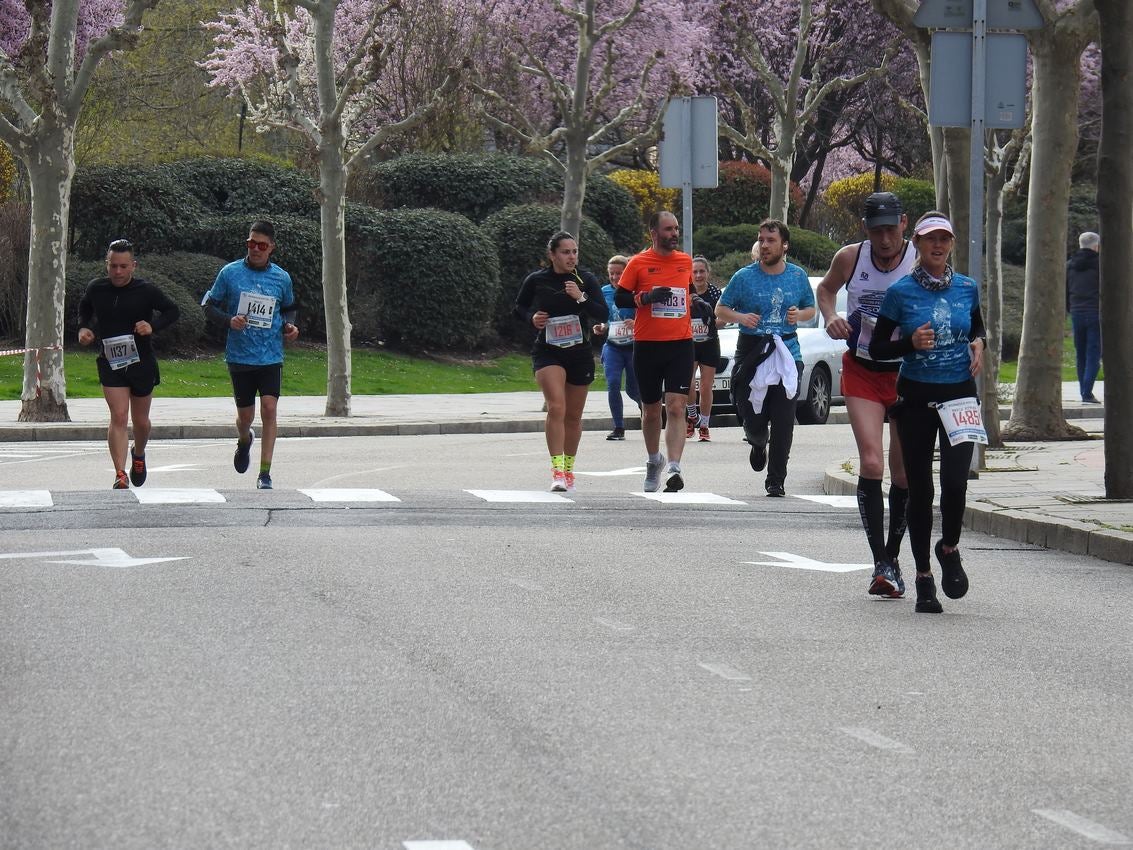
(781, 64)
(48, 55)
(320, 68)
(583, 81)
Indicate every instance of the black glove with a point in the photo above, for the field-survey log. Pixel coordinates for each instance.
(701, 308)
(656, 294)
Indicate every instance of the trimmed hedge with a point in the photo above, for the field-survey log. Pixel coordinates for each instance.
(253, 189)
(186, 332)
(194, 273)
(421, 279)
(520, 234)
(811, 250)
(478, 186)
(744, 194)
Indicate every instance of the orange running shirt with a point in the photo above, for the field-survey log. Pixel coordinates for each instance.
(667, 321)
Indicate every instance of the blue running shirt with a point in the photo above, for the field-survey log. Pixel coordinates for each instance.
(254, 346)
(752, 290)
(949, 311)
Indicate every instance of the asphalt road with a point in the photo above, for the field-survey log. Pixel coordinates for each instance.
(444, 672)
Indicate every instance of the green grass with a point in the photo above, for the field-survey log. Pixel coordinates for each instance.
(304, 373)
(1008, 370)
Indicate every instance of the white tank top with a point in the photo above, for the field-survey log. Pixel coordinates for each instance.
(865, 290)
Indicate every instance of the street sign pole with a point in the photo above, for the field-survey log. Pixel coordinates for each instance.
(686, 191)
(688, 152)
(976, 176)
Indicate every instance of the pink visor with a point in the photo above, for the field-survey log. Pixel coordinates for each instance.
(937, 222)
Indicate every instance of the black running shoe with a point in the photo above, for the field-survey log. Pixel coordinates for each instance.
(953, 579)
(757, 457)
(927, 603)
(617, 434)
(243, 455)
(775, 490)
(137, 469)
(263, 482)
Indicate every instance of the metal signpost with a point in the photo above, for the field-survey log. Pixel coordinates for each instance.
(689, 152)
(996, 94)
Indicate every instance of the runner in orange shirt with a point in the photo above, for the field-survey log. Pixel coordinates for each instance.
(658, 283)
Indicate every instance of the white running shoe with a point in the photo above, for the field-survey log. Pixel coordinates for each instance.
(673, 480)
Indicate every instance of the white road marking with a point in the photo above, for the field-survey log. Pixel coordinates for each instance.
(17, 454)
(724, 671)
(875, 739)
(833, 501)
(354, 474)
(525, 584)
(613, 625)
(172, 496)
(681, 498)
(1082, 826)
(529, 496)
(332, 495)
(437, 845)
(101, 558)
(630, 470)
(799, 562)
(176, 467)
(25, 499)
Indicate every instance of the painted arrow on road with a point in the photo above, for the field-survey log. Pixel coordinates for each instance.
(798, 562)
(100, 558)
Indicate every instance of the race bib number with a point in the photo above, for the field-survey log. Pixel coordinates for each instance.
(674, 307)
(699, 330)
(962, 421)
(259, 310)
(564, 331)
(621, 333)
(121, 351)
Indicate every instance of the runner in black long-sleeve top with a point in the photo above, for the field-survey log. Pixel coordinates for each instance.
(118, 312)
(558, 302)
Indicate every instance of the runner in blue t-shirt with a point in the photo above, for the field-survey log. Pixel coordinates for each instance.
(768, 299)
(253, 298)
(936, 313)
(617, 353)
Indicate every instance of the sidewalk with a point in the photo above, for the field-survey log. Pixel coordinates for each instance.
(1050, 494)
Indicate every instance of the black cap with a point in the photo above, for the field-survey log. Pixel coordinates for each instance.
(881, 209)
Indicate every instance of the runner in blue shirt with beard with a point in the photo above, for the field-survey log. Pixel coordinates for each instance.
(253, 298)
(936, 312)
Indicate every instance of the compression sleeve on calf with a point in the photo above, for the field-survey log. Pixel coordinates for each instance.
(881, 347)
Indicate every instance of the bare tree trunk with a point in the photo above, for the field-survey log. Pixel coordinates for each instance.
(1037, 411)
(50, 172)
(957, 151)
(1115, 208)
(780, 178)
(574, 186)
(332, 205)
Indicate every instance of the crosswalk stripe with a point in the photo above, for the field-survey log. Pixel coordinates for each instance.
(833, 501)
(349, 495)
(25, 499)
(689, 498)
(171, 496)
(525, 496)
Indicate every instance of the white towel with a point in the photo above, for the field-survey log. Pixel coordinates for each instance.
(778, 368)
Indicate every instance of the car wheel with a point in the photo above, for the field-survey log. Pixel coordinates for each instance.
(814, 409)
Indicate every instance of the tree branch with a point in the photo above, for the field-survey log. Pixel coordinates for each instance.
(121, 36)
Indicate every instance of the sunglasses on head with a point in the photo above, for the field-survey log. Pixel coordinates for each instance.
(258, 245)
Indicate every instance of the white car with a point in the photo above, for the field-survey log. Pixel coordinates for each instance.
(821, 381)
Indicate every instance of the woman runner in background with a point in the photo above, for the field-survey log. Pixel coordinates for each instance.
(557, 301)
(706, 343)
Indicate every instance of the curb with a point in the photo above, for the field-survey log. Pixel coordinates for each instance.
(1024, 526)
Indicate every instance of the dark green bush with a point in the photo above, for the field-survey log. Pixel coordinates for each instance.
(811, 250)
(917, 197)
(420, 279)
(472, 185)
(253, 189)
(476, 186)
(520, 234)
(298, 251)
(744, 195)
(194, 273)
(727, 265)
(185, 333)
(143, 204)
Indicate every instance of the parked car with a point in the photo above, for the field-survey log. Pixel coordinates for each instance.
(821, 381)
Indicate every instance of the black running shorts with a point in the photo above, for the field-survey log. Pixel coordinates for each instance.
(140, 377)
(662, 367)
(577, 361)
(708, 353)
(249, 380)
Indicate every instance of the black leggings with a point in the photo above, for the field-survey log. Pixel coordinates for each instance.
(920, 429)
